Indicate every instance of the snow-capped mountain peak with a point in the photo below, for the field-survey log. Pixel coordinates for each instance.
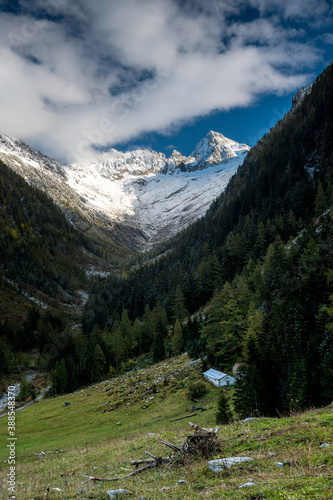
(216, 148)
(139, 197)
(10, 147)
(114, 164)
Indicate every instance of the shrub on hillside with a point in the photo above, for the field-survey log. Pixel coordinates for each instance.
(197, 390)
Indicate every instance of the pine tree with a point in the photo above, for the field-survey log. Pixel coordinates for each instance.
(72, 382)
(160, 322)
(261, 241)
(320, 201)
(98, 364)
(223, 414)
(147, 330)
(24, 390)
(62, 377)
(292, 224)
(177, 341)
(137, 331)
(178, 308)
(126, 332)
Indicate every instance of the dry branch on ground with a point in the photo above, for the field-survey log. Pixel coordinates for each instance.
(203, 442)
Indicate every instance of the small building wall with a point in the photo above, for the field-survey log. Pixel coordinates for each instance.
(212, 380)
(219, 379)
(226, 381)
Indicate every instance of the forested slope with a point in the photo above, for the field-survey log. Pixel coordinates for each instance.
(263, 256)
(40, 256)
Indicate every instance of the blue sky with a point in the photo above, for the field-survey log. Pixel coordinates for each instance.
(78, 77)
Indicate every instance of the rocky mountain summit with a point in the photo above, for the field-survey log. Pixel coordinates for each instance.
(139, 197)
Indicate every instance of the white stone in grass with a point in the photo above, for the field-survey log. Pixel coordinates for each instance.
(225, 463)
(246, 484)
(118, 493)
(324, 445)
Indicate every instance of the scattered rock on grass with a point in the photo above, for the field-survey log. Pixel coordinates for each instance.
(217, 466)
(118, 493)
(246, 484)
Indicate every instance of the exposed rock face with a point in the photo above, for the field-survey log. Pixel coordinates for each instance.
(300, 95)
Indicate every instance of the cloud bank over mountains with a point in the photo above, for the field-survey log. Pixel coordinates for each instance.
(76, 75)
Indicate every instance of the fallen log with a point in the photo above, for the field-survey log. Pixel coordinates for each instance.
(170, 445)
(136, 471)
(181, 418)
(203, 442)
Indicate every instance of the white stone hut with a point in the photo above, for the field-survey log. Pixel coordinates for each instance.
(219, 379)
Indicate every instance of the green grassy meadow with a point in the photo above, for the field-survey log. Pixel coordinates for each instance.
(84, 438)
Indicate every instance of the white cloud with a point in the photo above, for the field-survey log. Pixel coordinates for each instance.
(112, 70)
(317, 11)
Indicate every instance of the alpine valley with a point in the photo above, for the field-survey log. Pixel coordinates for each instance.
(138, 198)
(133, 273)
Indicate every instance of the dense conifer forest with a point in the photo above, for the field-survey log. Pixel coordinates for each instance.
(38, 251)
(251, 282)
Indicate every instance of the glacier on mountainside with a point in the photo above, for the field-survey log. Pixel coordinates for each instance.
(139, 197)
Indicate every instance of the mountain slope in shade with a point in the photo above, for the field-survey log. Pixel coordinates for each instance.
(140, 197)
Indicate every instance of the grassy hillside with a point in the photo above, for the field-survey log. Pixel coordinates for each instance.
(84, 438)
(261, 259)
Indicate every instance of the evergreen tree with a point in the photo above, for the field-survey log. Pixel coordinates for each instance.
(98, 364)
(137, 331)
(62, 377)
(223, 414)
(292, 224)
(160, 322)
(24, 390)
(126, 332)
(177, 341)
(178, 308)
(320, 201)
(260, 244)
(147, 330)
(72, 381)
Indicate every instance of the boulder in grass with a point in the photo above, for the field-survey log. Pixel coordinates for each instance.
(66, 404)
(219, 465)
(118, 493)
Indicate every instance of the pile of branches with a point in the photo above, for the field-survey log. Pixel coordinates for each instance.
(203, 443)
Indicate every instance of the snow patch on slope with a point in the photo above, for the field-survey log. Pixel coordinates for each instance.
(141, 196)
(157, 195)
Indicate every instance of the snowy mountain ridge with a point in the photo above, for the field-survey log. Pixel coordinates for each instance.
(139, 197)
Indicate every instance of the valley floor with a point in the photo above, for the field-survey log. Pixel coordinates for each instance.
(56, 444)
